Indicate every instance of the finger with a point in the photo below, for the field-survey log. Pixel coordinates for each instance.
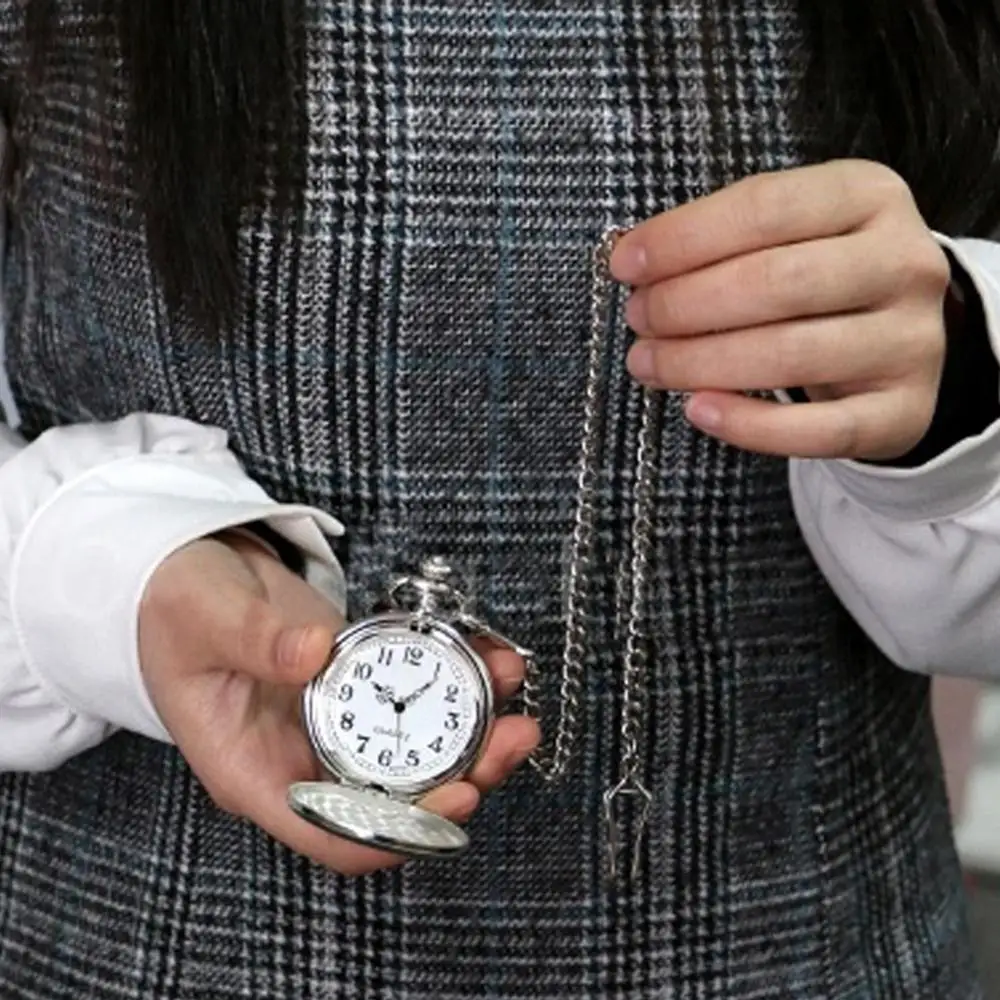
(789, 282)
(873, 426)
(762, 211)
(456, 801)
(513, 739)
(505, 666)
(831, 349)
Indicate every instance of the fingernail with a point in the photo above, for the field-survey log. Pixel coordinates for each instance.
(704, 414)
(628, 262)
(640, 362)
(290, 646)
(635, 312)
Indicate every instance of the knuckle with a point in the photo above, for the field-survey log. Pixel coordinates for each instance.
(687, 241)
(845, 181)
(797, 356)
(684, 367)
(883, 184)
(781, 274)
(785, 280)
(927, 348)
(667, 308)
(765, 199)
(845, 437)
(664, 374)
(930, 266)
(895, 275)
(921, 269)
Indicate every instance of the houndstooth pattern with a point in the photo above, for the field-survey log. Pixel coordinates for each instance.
(413, 360)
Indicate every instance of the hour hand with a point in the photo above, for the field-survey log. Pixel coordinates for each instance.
(384, 694)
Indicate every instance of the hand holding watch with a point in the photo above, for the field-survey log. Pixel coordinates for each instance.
(377, 771)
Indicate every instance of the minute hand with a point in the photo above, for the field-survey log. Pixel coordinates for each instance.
(411, 698)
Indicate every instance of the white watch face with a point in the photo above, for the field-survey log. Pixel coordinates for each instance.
(400, 708)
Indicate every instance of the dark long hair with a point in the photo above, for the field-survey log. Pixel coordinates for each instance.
(216, 114)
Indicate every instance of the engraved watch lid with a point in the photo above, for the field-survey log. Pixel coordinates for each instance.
(375, 820)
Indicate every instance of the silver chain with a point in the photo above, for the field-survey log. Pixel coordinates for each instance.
(553, 760)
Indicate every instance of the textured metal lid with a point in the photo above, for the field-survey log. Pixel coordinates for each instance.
(375, 820)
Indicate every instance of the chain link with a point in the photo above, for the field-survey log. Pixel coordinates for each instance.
(635, 665)
(636, 661)
(552, 761)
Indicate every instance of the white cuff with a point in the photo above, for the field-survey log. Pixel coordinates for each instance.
(88, 549)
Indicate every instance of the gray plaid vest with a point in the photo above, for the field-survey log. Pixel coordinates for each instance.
(411, 357)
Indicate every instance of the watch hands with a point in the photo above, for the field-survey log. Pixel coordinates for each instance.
(411, 698)
(384, 694)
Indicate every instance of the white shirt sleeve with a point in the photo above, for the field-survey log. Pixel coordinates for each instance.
(914, 554)
(87, 513)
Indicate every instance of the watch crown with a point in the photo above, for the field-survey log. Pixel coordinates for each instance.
(435, 589)
(436, 568)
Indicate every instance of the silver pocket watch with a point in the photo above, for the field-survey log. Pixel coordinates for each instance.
(404, 705)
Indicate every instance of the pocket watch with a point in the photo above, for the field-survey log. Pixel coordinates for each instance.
(404, 705)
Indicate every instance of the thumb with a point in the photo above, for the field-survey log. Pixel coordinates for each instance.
(280, 630)
(288, 631)
(271, 648)
(216, 608)
(301, 652)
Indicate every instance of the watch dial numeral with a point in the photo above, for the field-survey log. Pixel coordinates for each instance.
(413, 758)
(385, 758)
(451, 693)
(437, 745)
(363, 742)
(346, 693)
(452, 721)
(413, 654)
(385, 656)
(363, 671)
(347, 721)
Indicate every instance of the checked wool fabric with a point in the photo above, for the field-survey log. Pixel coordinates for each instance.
(410, 356)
